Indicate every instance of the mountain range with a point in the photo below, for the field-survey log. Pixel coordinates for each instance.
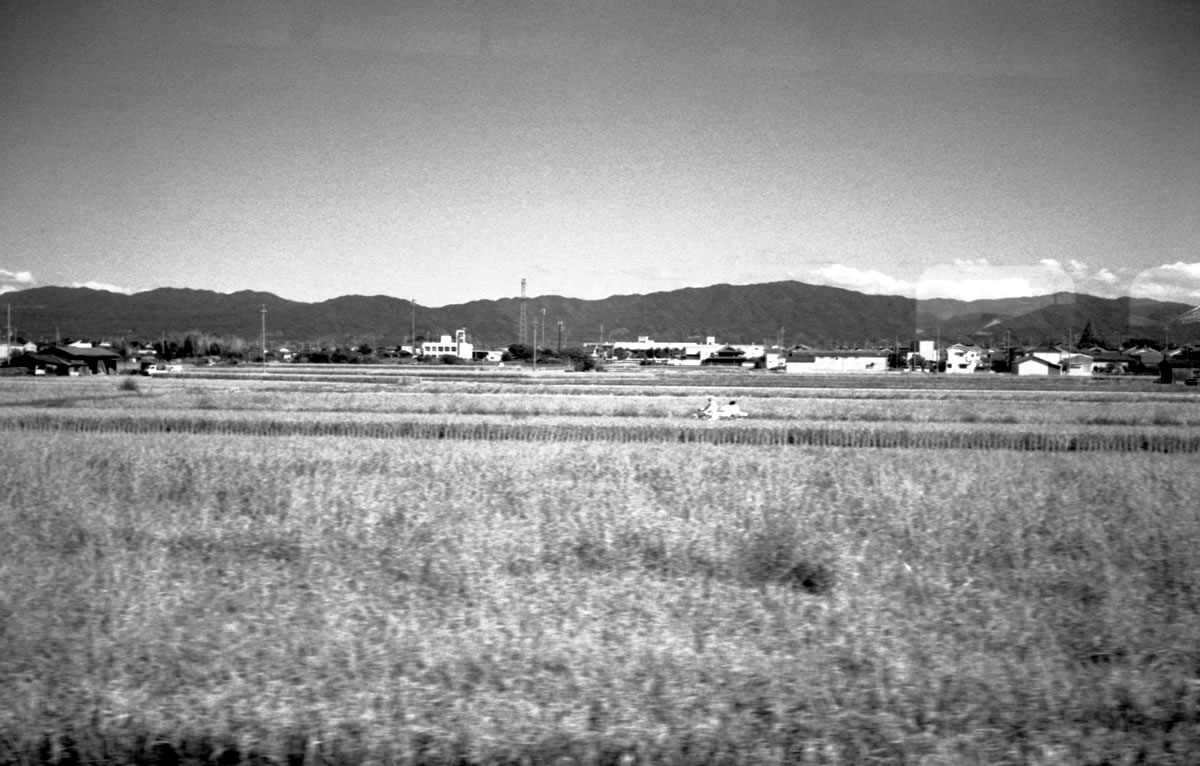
(797, 312)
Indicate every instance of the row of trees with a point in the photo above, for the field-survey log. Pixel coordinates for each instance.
(574, 356)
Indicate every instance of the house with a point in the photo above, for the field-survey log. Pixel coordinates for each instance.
(727, 356)
(1052, 354)
(76, 359)
(836, 361)
(1035, 365)
(1112, 362)
(963, 358)
(1144, 357)
(42, 364)
(1078, 365)
(775, 358)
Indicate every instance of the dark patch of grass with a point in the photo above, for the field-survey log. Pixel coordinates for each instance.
(811, 576)
(1167, 419)
(1110, 420)
(777, 552)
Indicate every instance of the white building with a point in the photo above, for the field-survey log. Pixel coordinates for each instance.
(1078, 364)
(685, 353)
(926, 350)
(962, 358)
(1051, 354)
(836, 361)
(456, 346)
(1036, 365)
(10, 350)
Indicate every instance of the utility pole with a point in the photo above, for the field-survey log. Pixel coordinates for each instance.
(937, 350)
(560, 331)
(264, 336)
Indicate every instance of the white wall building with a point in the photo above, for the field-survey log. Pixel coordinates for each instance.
(961, 358)
(837, 361)
(690, 352)
(10, 350)
(456, 346)
(1078, 364)
(1036, 365)
(1053, 355)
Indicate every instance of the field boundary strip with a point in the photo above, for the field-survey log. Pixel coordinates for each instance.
(881, 435)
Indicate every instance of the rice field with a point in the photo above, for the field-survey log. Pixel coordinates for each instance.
(492, 570)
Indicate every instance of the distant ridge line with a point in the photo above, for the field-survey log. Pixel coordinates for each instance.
(812, 315)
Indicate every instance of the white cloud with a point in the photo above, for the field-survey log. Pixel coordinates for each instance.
(861, 280)
(978, 279)
(1105, 277)
(1181, 270)
(103, 286)
(972, 279)
(963, 279)
(1177, 281)
(11, 281)
(20, 277)
(966, 288)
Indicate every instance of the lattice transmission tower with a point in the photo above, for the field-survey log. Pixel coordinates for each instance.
(524, 320)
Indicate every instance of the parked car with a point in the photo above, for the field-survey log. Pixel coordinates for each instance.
(161, 368)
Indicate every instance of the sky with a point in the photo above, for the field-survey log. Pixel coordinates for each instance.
(445, 150)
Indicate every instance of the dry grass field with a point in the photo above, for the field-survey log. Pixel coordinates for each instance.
(473, 568)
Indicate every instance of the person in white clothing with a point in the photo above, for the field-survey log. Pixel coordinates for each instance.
(732, 410)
